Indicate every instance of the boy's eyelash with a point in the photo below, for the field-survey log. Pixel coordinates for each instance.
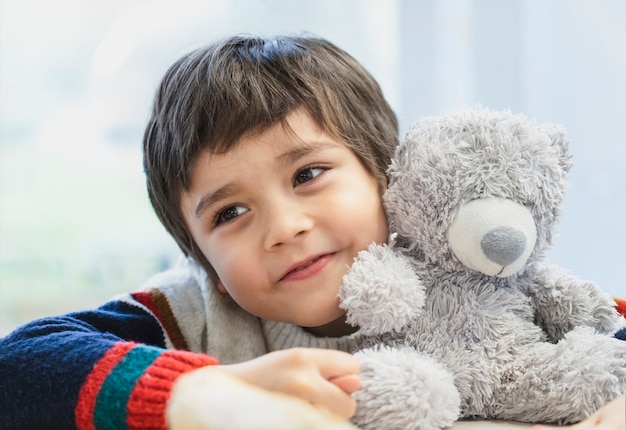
(310, 167)
(216, 220)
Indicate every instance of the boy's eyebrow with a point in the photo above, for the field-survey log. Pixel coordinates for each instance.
(303, 150)
(208, 199)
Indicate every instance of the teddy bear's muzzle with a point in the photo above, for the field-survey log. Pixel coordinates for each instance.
(494, 236)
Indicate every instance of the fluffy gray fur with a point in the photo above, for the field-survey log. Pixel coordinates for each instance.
(445, 341)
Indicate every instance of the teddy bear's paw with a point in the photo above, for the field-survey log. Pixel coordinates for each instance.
(403, 389)
(575, 376)
(563, 301)
(381, 292)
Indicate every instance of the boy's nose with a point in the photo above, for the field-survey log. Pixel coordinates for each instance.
(285, 226)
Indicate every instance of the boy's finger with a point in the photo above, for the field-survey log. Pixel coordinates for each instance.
(332, 363)
(335, 399)
(348, 383)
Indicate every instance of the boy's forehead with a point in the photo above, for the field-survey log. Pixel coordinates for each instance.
(298, 129)
(289, 123)
(285, 142)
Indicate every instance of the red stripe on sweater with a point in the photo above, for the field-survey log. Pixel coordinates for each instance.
(159, 305)
(620, 306)
(91, 387)
(145, 299)
(148, 400)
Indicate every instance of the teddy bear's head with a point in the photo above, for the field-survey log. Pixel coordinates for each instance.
(478, 190)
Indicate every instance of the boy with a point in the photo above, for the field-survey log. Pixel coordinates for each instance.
(265, 160)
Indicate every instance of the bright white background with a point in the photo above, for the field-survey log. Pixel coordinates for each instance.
(77, 78)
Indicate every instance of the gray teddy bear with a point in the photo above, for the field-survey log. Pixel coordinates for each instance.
(459, 315)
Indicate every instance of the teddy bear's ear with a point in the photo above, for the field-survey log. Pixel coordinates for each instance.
(556, 134)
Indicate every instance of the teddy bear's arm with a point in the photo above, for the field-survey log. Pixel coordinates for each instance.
(562, 301)
(381, 292)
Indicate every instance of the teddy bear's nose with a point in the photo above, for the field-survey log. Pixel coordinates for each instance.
(503, 245)
(494, 236)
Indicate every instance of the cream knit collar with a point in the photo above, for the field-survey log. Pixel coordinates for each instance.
(282, 336)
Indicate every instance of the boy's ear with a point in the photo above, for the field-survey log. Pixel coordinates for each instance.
(220, 287)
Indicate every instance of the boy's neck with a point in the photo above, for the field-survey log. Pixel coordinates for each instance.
(336, 328)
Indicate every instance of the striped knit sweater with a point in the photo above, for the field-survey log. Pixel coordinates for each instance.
(114, 367)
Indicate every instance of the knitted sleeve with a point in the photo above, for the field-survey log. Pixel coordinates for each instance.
(620, 306)
(103, 369)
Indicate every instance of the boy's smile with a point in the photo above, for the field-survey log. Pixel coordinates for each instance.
(281, 216)
(306, 268)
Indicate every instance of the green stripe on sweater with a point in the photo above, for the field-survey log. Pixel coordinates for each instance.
(111, 402)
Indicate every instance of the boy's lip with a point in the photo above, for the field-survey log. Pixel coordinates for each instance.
(307, 267)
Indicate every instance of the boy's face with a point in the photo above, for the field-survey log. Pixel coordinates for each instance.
(281, 218)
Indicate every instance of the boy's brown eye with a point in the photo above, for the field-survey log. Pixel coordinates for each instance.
(307, 174)
(229, 214)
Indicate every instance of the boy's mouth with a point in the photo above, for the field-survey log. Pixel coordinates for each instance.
(308, 267)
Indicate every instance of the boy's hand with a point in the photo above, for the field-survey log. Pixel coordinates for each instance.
(322, 377)
(291, 389)
(611, 416)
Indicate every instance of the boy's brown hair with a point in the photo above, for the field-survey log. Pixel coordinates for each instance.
(210, 98)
